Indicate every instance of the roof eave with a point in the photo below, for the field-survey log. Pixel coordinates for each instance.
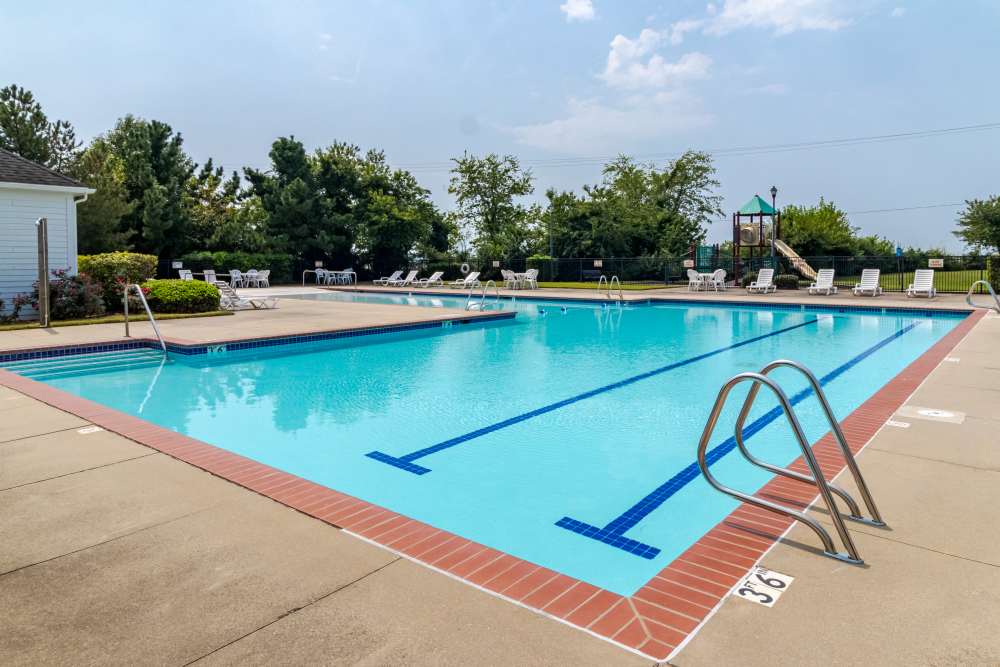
(68, 189)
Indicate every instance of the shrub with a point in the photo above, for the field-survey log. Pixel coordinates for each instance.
(181, 296)
(70, 297)
(786, 281)
(748, 278)
(279, 264)
(20, 301)
(107, 269)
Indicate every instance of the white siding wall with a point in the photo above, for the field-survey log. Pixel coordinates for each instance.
(18, 237)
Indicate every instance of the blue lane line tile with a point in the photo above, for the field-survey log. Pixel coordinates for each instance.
(633, 515)
(399, 463)
(447, 444)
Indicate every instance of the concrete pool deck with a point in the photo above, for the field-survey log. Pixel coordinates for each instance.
(77, 511)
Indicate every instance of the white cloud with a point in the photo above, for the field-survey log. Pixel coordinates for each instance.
(897, 12)
(324, 41)
(629, 67)
(596, 126)
(680, 28)
(770, 89)
(783, 16)
(578, 10)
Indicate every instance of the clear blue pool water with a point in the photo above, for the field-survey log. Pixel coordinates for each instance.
(565, 437)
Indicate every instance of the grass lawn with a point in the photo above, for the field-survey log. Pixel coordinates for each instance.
(593, 286)
(111, 319)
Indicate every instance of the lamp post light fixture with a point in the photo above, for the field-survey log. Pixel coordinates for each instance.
(774, 229)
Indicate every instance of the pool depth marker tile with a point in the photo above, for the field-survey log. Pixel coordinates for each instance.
(613, 533)
(405, 462)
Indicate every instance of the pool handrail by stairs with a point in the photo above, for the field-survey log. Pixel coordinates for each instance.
(818, 479)
(149, 313)
(989, 287)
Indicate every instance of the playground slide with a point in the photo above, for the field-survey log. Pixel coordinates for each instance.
(798, 263)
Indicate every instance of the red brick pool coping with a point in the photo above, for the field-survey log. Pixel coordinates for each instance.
(654, 621)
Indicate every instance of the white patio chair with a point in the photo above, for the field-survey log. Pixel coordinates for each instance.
(824, 283)
(385, 280)
(250, 278)
(694, 280)
(764, 283)
(408, 280)
(230, 300)
(185, 274)
(510, 280)
(235, 278)
(264, 278)
(718, 280)
(469, 281)
(435, 279)
(531, 278)
(869, 284)
(923, 284)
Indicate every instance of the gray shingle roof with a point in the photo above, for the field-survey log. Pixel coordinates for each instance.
(16, 169)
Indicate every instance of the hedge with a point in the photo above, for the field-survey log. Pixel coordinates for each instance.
(108, 268)
(279, 264)
(786, 281)
(181, 296)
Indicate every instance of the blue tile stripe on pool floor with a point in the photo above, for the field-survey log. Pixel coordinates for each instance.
(613, 533)
(405, 462)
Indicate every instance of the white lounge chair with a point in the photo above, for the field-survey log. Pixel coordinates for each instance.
(435, 279)
(385, 280)
(471, 280)
(230, 300)
(764, 283)
(824, 283)
(718, 280)
(869, 284)
(185, 274)
(694, 281)
(209, 275)
(408, 280)
(923, 284)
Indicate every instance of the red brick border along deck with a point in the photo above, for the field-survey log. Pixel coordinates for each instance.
(653, 621)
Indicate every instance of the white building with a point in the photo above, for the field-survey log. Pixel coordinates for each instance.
(29, 191)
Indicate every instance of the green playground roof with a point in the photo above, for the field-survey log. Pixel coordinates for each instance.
(756, 206)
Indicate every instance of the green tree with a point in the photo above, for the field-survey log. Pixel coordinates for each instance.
(157, 175)
(27, 131)
(979, 224)
(486, 192)
(817, 230)
(99, 219)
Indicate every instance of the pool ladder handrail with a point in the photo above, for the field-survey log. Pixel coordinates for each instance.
(611, 286)
(149, 313)
(989, 287)
(482, 301)
(818, 480)
(603, 280)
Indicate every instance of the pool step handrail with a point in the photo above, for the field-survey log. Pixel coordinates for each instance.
(611, 284)
(482, 300)
(989, 287)
(603, 281)
(838, 434)
(818, 479)
(149, 313)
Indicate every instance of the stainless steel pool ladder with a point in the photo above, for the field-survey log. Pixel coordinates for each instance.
(989, 287)
(149, 313)
(482, 301)
(826, 489)
(611, 285)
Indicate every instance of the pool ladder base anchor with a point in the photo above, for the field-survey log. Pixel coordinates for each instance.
(826, 489)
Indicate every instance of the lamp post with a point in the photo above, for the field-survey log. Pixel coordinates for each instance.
(774, 229)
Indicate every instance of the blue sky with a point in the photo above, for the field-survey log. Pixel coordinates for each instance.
(552, 79)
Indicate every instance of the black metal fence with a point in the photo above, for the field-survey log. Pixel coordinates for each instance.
(951, 273)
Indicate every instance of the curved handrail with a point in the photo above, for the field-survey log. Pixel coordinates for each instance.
(149, 313)
(852, 555)
(603, 281)
(614, 279)
(989, 287)
(838, 434)
(482, 299)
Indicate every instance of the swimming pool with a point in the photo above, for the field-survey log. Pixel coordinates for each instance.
(565, 437)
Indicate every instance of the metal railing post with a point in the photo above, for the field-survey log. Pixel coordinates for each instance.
(42, 225)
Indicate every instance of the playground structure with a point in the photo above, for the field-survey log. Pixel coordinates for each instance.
(757, 225)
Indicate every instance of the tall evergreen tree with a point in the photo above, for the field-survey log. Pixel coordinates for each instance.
(27, 131)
